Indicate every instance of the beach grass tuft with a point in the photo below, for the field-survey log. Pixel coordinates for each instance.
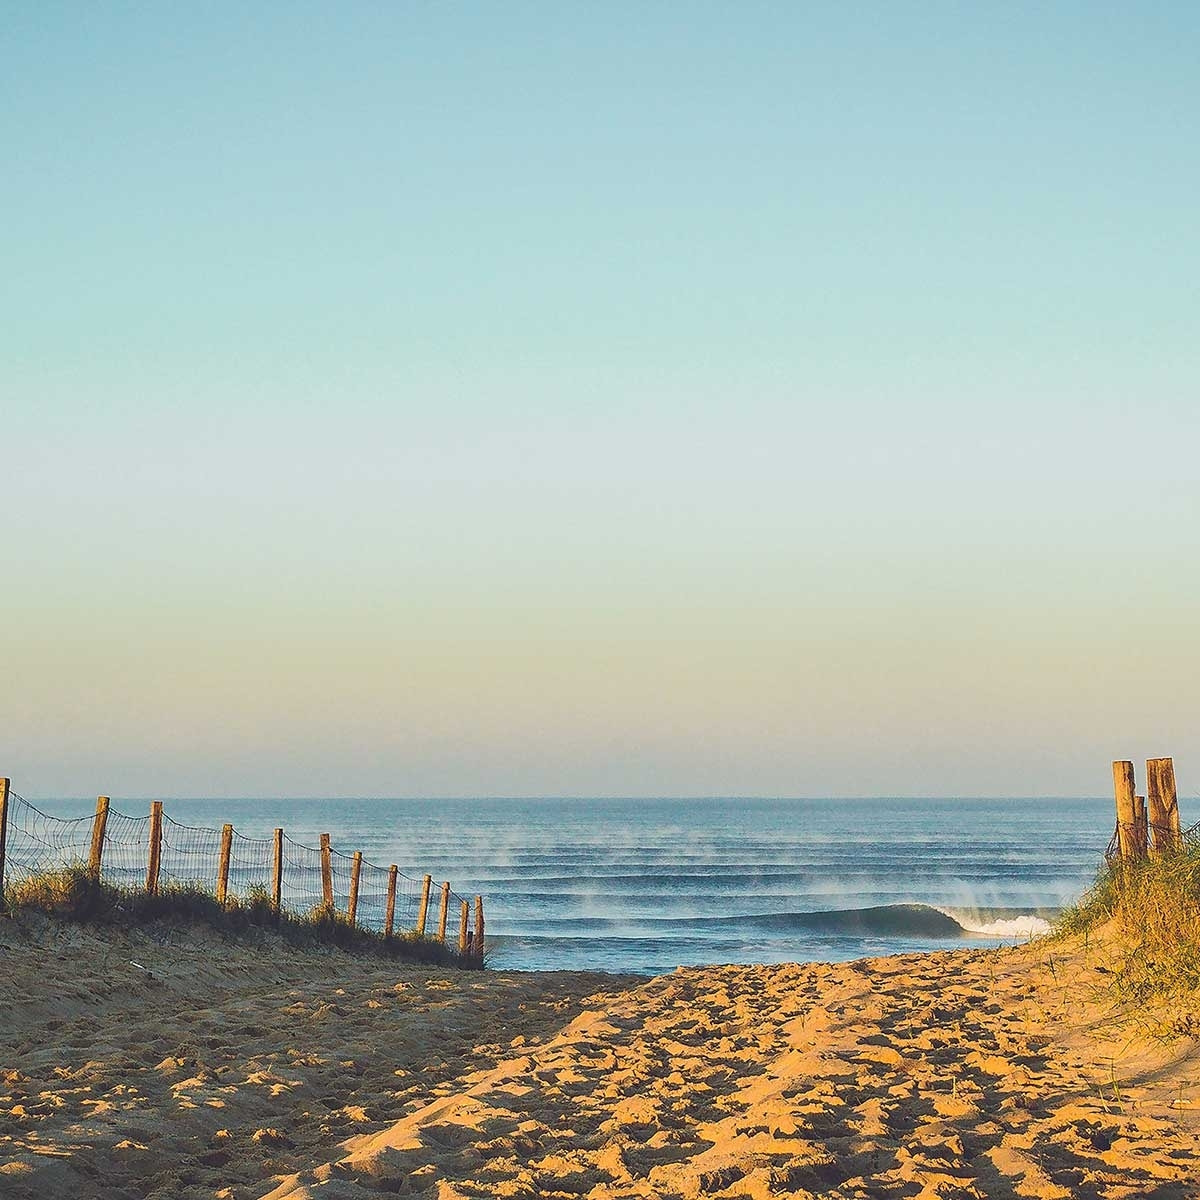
(71, 894)
(1149, 914)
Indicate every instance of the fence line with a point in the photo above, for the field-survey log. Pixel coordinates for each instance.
(156, 852)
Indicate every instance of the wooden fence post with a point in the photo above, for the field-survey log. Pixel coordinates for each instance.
(4, 786)
(154, 860)
(355, 872)
(477, 950)
(423, 911)
(277, 874)
(223, 864)
(391, 901)
(98, 827)
(1143, 831)
(443, 911)
(1163, 804)
(1123, 788)
(326, 871)
(462, 928)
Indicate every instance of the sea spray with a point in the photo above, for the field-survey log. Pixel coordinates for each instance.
(648, 885)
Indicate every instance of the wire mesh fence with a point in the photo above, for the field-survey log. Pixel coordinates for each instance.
(117, 848)
(126, 849)
(1148, 837)
(36, 843)
(190, 855)
(302, 870)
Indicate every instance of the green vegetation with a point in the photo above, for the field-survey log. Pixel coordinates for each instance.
(1148, 913)
(71, 894)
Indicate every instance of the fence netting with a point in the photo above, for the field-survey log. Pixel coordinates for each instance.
(37, 842)
(302, 875)
(1150, 836)
(126, 849)
(190, 857)
(251, 865)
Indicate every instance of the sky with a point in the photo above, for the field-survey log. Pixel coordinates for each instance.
(543, 399)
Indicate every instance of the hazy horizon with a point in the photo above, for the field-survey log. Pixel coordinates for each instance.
(567, 799)
(522, 400)
(580, 799)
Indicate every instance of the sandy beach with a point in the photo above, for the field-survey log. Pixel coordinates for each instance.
(171, 1063)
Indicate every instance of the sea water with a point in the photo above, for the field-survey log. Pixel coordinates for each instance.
(648, 885)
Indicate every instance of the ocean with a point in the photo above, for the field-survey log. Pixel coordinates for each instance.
(648, 885)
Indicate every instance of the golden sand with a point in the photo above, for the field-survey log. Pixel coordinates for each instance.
(181, 1066)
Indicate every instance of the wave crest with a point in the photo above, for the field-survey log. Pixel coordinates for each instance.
(1024, 925)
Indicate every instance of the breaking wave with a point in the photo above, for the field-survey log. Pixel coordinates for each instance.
(881, 920)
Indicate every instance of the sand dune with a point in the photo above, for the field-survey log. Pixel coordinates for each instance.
(231, 1071)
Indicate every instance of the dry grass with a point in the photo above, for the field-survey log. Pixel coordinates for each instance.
(1149, 912)
(71, 894)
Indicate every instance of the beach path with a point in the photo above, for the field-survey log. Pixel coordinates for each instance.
(944, 1075)
(175, 1065)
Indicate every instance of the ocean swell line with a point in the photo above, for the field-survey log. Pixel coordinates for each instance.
(894, 920)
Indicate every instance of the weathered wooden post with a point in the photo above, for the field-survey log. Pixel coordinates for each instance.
(443, 911)
(277, 874)
(1143, 831)
(423, 911)
(463, 936)
(355, 872)
(223, 864)
(154, 861)
(98, 827)
(390, 920)
(326, 872)
(1163, 804)
(4, 787)
(1123, 788)
(478, 948)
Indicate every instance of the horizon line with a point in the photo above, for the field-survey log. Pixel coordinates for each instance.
(580, 797)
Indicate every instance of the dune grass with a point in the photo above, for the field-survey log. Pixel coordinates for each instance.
(1149, 914)
(71, 894)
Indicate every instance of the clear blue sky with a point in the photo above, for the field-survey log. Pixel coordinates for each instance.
(550, 399)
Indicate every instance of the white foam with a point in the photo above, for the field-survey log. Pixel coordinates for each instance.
(1024, 926)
